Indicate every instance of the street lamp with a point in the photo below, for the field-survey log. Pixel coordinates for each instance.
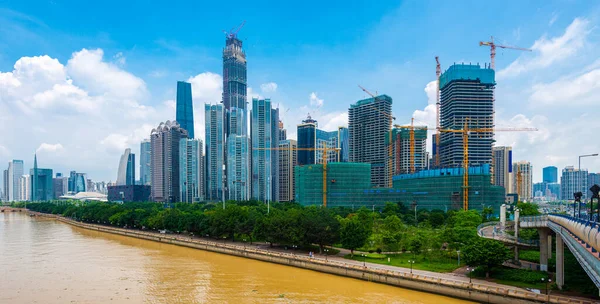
(586, 155)
(469, 274)
(411, 262)
(547, 282)
(326, 251)
(364, 260)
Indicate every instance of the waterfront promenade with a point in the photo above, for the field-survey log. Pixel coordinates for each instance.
(440, 283)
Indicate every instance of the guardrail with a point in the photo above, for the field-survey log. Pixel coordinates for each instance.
(247, 251)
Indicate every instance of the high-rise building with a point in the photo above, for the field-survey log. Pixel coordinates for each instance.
(307, 138)
(165, 161)
(15, 171)
(550, 174)
(523, 180)
(126, 172)
(42, 187)
(282, 132)
(77, 182)
(145, 160)
(191, 170)
(215, 152)
(264, 137)
(573, 180)
(60, 185)
(369, 120)
(25, 188)
(398, 156)
(593, 179)
(503, 168)
(466, 97)
(234, 77)
(288, 158)
(343, 145)
(238, 168)
(5, 185)
(185, 107)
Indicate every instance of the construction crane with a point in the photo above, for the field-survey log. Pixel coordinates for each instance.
(376, 97)
(233, 32)
(438, 72)
(493, 47)
(324, 160)
(411, 131)
(465, 131)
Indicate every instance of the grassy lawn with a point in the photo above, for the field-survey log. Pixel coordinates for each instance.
(431, 262)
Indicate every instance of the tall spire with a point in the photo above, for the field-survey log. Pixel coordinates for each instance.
(34, 180)
(35, 161)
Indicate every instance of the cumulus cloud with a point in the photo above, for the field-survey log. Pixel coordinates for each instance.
(580, 90)
(45, 147)
(269, 87)
(315, 101)
(548, 51)
(119, 59)
(207, 87)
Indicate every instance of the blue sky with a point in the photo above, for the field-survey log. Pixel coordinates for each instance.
(107, 70)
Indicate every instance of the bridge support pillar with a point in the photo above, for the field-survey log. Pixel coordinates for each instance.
(549, 245)
(560, 262)
(543, 249)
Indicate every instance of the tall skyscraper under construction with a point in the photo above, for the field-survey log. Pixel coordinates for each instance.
(369, 120)
(185, 107)
(234, 77)
(466, 96)
(398, 160)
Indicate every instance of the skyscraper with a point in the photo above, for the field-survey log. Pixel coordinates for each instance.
(282, 132)
(165, 161)
(398, 158)
(573, 180)
(185, 107)
(25, 188)
(126, 172)
(191, 170)
(60, 185)
(215, 152)
(264, 161)
(15, 171)
(234, 77)
(343, 145)
(369, 120)
(466, 96)
(523, 180)
(77, 182)
(503, 168)
(238, 168)
(41, 185)
(145, 160)
(5, 185)
(550, 174)
(307, 138)
(288, 158)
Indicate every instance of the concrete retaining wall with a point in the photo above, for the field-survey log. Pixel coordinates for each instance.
(458, 289)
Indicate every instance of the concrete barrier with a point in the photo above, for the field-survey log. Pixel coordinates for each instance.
(453, 288)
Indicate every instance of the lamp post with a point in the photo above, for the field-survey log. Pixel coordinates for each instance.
(326, 251)
(586, 155)
(469, 274)
(364, 260)
(411, 262)
(548, 281)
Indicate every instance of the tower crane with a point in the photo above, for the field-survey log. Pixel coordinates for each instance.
(465, 131)
(438, 72)
(325, 151)
(493, 47)
(233, 32)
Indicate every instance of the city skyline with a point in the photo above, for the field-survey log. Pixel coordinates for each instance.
(102, 82)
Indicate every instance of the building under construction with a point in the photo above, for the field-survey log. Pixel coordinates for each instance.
(348, 185)
(398, 158)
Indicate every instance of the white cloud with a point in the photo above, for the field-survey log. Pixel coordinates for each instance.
(207, 87)
(119, 59)
(315, 101)
(581, 90)
(550, 51)
(45, 147)
(4, 152)
(269, 87)
(115, 142)
(553, 19)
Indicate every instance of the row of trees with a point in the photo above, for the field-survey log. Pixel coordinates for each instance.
(392, 228)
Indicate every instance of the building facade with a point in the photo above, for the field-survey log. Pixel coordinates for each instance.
(185, 107)
(126, 171)
(165, 161)
(307, 139)
(523, 180)
(369, 120)
(234, 78)
(215, 152)
(15, 171)
(398, 156)
(343, 145)
(5, 185)
(264, 138)
(191, 170)
(466, 97)
(503, 168)
(129, 193)
(593, 179)
(573, 180)
(42, 186)
(238, 168)
(25, 188)
(145, 160)
(60, 185)
(550, 174)
(288, 159)
(77, 182)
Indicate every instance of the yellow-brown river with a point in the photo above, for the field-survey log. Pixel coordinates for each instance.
(46, 261)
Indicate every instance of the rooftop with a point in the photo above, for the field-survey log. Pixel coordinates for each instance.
(463, 71)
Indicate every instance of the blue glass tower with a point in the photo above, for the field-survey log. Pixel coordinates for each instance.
(185, 107)
(550, 174)
(215, 152)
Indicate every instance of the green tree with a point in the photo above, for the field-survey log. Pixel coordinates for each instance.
(485, 253)
(528, 209)
(353, 233)
(320, 226)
